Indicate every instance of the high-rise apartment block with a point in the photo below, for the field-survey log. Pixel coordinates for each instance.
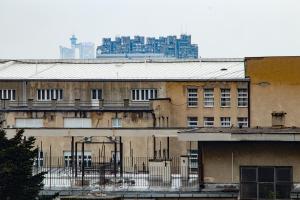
(170, 47)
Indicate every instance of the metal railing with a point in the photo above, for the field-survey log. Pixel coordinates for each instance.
(74, 105)
(134, 174)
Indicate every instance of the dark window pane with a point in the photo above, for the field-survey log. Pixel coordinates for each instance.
(248, 174)
(9, 94)
(248, 191)
(13, 95)
(142, 95)
(99, 94)
(61, 96)
(266, 191)
(147, 94)
(284, 174)
(133, 94)
(283, 190)
(265, 174)
(155, 94)
(39, 94)
(151, 94)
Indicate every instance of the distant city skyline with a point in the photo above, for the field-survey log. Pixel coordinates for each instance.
(77, 50)
(139, 46)
(231, 28)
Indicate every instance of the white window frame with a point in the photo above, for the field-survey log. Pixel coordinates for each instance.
(9, 94)
(192, 97)
(72, 122)
(98, 94)
(143, 94)
(29, 123)
(208, 97)
(192, 122)
(49, 94)
(225, 122)
(207, 122)
(243, 121)
(116, 122)
(68, 158)
(225, 97)
(242, 97)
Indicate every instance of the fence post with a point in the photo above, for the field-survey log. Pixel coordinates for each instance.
(200, 166)
(50, 164)
(76, 162)
(82, 163)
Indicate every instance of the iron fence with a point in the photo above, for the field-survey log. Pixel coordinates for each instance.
(132, 174)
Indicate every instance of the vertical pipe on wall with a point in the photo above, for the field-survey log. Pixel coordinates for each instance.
(232, 157)
(72, 155)
(200, 166)
(82, 164)
(121, 157)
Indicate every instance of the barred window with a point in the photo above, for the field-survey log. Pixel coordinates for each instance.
(49, 94)
(225, 97)
(225, 122)
(243, 97)
(192, 97)
(208, 97)
(8, 94)
(242, 121)
(143, 94)
(192, 121)
(208, 122)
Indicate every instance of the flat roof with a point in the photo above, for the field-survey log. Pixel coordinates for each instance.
(217, 69)
(291, 134)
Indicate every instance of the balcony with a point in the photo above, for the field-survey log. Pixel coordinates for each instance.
(76, 105)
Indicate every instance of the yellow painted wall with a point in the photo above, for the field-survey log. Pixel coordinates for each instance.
(275, 87)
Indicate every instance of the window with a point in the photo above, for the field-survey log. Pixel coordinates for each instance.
(192, 121)
(225, 97)
(193, 160)
(116, 123)
(8, 94)
(225, 122)
(243, 97)
(87, 158)
(242, 121)
(192, 97)
(77, 123)
(208, 122)
(29, 123)
(143, 94)
(49, 94)
(96, 94)
(208, 97)
(265, 182)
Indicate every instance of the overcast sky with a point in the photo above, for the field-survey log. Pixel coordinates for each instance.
(221, 28)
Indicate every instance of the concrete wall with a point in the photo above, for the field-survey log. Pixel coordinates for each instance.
(222, 160)
(275, 87)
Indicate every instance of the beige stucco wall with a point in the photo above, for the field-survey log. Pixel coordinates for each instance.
(99, 119)
(222, 161)
(141, 146)
(275, 87)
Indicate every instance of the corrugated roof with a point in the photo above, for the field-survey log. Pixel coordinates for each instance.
(211, 69)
